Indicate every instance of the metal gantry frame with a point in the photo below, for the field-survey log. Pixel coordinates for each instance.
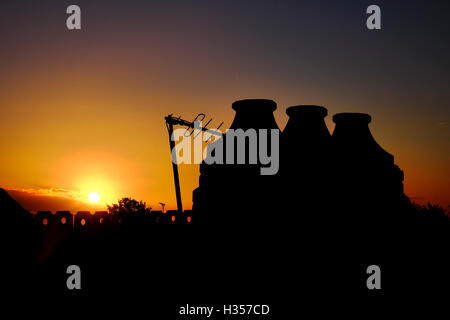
(172, 121)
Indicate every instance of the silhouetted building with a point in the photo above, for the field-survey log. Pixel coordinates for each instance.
(45, 219)
(83, 219)
(305, 164)
(169, 216)
(188, 215)
(64, 219)
(100, 220)
(232, 192)
(156, 216)
(368, 185)
(323, 182)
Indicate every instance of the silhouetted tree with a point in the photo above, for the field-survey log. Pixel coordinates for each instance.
(430, 210)
(128, 208)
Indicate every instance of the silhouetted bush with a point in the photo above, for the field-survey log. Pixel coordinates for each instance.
(430, 210)
(128, 208)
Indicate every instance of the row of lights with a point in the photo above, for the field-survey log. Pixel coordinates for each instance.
(83, 221)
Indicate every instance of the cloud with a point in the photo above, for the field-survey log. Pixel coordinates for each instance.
(50, 192)
(50, 199)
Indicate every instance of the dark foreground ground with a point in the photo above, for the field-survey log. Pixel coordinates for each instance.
(293, 268)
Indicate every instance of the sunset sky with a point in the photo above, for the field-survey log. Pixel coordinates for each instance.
(83, 111)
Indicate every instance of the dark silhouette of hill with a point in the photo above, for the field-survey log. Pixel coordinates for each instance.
(19, 239)
(16, 220)
(9, 205)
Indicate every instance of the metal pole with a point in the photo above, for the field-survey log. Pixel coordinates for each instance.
(170, 121)
(175, 168)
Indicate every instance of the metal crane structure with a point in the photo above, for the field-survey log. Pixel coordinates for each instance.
(172, 121)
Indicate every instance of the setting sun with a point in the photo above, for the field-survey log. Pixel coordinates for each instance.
(94, 197)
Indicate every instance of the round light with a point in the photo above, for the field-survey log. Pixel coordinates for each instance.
(94, 197)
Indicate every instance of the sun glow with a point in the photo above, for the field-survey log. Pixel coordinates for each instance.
(97, 190)
(94, 197)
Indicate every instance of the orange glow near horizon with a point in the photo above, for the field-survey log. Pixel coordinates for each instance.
(133, 170)
(84, 111)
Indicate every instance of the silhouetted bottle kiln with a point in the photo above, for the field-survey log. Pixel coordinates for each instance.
(238, 193)
(344, 178)
(305, 159)
(366, 178)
